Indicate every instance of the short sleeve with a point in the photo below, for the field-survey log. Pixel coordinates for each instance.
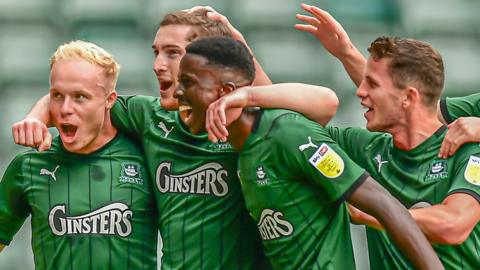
(309, 152)
(456, 107)
(467, 175)
(13, 204)
(354, 141)
(132, 114)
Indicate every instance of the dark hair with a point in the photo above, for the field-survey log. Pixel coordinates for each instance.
(412, 62)
(202, 26)
(225, 52)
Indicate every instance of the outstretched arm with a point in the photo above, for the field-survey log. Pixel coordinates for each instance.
(315, 102)
(32, 131)
(375, 200)
(449, 223)
(334, 39)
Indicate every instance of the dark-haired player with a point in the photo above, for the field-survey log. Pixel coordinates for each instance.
(293, 175)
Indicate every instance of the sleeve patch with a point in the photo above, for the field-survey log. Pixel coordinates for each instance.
(327, 161)
(472, 172)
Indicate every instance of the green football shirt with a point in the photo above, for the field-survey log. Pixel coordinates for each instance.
(295, 179)
(202, 217)
(417, 178)
(91, 211)
(453, 108)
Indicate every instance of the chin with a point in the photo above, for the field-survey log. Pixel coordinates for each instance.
(169, 104)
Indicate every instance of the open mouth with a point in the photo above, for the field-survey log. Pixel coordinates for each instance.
(185, 112)
(68, 131)
(165, 85)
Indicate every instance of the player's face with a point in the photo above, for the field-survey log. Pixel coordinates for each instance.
(199, 85)
(169, 48)
(79, 104)
(380, 97)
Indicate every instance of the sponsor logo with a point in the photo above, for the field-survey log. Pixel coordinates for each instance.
(131, 173)
(380, 162)
(437, 170)
(112, 219)
(164, 128)
(327, 161)
(272, 225)
(221, 146)
(303, 147)
(262, 179)
(44, 171)
(472, 171)
(209, 178)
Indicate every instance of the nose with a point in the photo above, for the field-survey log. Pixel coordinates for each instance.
(178, 91)
(361, 91)
(67, 106)
(159, 64)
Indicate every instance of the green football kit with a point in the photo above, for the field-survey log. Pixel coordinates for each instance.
(94, 211)
(453, 108)
(295, 179)
(417, 178)
(202, 216)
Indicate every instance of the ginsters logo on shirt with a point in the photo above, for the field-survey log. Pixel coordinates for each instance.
(438, 170)
(209, 178)
(131, 173)
(112, 219)
(272, 225)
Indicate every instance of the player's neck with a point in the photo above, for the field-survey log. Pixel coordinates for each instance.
(240, 129)
(419, 126)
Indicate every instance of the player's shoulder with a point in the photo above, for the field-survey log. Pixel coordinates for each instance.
(466, 151)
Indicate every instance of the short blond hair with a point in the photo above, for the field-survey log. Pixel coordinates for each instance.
(90, 52)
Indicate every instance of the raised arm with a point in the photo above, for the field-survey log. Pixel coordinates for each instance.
(373, 199)
(32, 131)
(334, 39)
(315, 102)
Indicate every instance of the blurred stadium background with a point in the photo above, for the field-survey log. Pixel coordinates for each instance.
(30, 30)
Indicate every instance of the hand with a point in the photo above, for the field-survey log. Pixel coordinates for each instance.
(223, 112)
(326, 29)
(32, 133)
(215, 16)
(460, 131)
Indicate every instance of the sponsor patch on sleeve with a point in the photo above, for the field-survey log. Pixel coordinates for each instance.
(472, 172)
(327, 161)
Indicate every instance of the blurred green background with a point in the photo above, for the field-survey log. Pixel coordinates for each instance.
(30, 31)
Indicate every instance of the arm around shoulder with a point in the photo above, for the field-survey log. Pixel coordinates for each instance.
(450, 222)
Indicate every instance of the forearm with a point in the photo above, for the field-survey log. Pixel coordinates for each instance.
(261, 78)
(40, 111)
(315, 102)
(354, 63)
(440, 225)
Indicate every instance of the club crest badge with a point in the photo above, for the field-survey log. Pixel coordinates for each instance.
(131, 173)
(438, 170)
(327, 161)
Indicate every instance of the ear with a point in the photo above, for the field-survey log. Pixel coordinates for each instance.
(412, 96)
(111, 98)
(227, 88)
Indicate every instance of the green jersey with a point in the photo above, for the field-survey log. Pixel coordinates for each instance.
(417, 178)
(91, 211)
(202, 215)
(295, 179)
(453, 108)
